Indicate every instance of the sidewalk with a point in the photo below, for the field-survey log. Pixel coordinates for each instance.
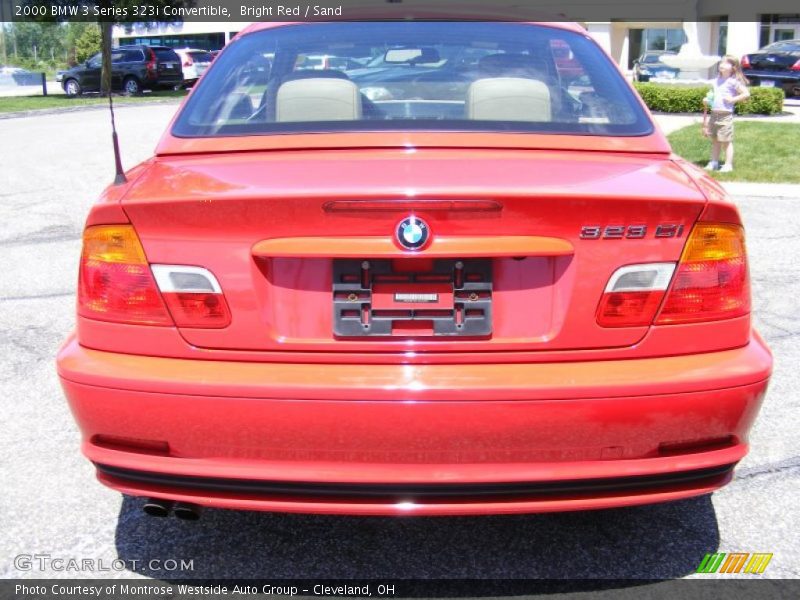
(762, 190)
(670, 123)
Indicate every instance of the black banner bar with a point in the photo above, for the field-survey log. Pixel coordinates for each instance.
(144, 589)
(166, 11)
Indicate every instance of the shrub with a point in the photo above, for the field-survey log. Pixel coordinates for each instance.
(689, 99)
(762, 101)
(672, 98)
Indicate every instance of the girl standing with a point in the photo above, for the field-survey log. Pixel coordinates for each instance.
(728, 88)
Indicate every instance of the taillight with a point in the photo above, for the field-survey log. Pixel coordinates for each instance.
(193, 296)
(188, 62)
(795, 66)
(633, 295)
(115, 282)
(151, 64)
(711, 282)
(745, 62)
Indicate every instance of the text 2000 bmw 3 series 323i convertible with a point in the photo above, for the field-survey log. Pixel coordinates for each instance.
(450, 268)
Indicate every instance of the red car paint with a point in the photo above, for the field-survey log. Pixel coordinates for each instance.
(552, 411)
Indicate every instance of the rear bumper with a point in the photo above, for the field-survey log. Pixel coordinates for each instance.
(399, 439)
(783, 79)
(166, 81)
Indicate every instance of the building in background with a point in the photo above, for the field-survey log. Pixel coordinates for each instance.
(200, 35)
(710, 27)
(715, 35)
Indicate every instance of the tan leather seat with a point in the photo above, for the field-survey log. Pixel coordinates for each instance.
(318, 99)
(509, 99)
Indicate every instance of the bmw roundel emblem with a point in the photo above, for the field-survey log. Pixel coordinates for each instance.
(412, 233)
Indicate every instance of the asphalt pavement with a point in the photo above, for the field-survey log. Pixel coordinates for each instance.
(53, 167)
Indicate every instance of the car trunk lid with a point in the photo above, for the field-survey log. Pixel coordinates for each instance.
(288, 234)
(773, 61)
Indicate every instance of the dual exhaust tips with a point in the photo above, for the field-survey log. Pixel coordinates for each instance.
(156, 507)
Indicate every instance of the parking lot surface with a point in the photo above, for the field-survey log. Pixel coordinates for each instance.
(53, 167)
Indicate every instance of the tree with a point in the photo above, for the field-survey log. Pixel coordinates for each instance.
(81, 40)
(35, 43)
(3, 55)
(88, 43)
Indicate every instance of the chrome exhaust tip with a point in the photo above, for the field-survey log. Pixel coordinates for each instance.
(186, 511)
(156, 507)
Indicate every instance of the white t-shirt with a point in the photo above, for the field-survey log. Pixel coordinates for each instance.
(725, 88)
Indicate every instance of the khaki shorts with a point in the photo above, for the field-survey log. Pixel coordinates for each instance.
(720, 126)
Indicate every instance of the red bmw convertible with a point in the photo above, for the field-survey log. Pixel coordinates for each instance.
(448, 276)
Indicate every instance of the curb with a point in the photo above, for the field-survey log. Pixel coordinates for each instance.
(786, 114)
(69, 109)
(762, 190)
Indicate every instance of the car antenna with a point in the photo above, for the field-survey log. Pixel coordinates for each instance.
(119, 178)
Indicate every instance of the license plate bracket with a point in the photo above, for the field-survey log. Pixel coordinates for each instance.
(450, 298)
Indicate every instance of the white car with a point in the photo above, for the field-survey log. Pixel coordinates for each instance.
(194, 63)
(4, 70)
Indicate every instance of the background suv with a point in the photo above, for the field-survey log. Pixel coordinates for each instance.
(194, 64)
(133, 69)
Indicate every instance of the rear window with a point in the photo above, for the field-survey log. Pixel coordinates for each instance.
(451, 76)
(201, 56)
(166, 55)
(784, 47)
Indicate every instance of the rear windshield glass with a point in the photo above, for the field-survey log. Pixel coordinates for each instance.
(200, 56)
(784, 47)
(457, 76)
(652, 58)
(166, 55)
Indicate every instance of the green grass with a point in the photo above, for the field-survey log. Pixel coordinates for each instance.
(26, 103)
(765, 152)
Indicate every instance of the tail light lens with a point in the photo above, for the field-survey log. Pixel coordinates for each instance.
(193, 296)
(795, 66)
(188, 62)
(711, 282)
(151, 63)
(633, 295)
(115, 282)
(745, 62)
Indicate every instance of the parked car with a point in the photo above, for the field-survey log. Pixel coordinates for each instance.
(325, 61)
(20, 76)
(478, 293)
(133, 69)
(194, 63)
(24, 76)
(649, 65)
(776, 65)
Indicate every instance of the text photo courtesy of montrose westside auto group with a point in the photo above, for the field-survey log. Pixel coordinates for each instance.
(399, 299)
